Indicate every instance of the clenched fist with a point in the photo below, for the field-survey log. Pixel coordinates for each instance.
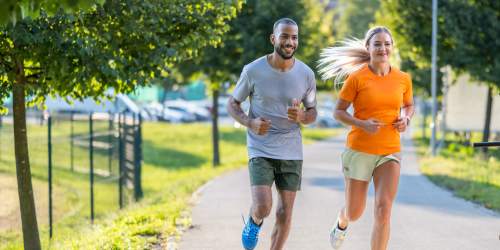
(401, 123)
(371, 126)
(295, 113)
(260, 125)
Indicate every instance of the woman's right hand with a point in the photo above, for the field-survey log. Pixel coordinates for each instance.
(370, 126)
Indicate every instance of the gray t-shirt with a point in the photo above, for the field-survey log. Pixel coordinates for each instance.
(271, 93)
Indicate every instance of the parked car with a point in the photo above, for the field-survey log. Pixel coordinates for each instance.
(176, 116)
(325, 119)
(154, 109)
(185, 116)
(207, 104)
(200, 113)
(164, 113)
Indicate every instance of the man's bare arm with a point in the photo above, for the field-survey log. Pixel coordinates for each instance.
(309, 116)
(258, 125)
(234, 109)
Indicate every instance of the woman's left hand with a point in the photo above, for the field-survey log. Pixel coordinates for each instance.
(401, 123)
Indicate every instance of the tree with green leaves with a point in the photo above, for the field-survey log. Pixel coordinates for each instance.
(15, 10)
(354, 17)
(465, 29)
(467, 38)
(248, 39)
(119, 44)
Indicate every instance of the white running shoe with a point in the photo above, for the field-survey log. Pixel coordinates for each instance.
(337, 235)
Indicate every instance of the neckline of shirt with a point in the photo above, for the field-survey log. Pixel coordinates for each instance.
(278, 71)
(391, 72)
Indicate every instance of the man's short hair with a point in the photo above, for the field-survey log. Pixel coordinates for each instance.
(284, 20)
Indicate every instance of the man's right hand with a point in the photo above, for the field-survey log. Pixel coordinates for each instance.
(260, 125)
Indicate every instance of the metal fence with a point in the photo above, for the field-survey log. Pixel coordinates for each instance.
(91, 157)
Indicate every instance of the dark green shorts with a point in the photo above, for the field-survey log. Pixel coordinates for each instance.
(287, 174)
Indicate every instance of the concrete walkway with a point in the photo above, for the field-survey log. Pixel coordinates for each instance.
(424, 216)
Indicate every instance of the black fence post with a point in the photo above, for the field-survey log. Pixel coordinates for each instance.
(72, 118)
(139, 155)
(110, 145)
(120, 160)
(486, 144)
(137, 159)
(49, 123)
(134, 127)
(91, 154)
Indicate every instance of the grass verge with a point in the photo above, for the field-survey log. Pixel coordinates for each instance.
(463, 170)
(177, 160)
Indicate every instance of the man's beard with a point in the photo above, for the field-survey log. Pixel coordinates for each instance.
(281, 51)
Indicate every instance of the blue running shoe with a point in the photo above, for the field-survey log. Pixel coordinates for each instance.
(250, 234)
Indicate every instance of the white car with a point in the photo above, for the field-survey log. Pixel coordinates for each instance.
(200, 113)
(164, 113)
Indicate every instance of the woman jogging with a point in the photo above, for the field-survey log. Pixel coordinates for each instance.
(378, 91)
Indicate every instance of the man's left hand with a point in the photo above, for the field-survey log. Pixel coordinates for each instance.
(295, 112)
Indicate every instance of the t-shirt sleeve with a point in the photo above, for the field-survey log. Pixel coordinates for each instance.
(309, 99)
(349, 89)
(408, 94)
(243, 87)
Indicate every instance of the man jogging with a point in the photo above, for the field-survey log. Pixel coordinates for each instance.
(282, 93)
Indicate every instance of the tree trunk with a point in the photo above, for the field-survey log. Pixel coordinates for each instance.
(24, 186)
(215, 128)
(487, 120)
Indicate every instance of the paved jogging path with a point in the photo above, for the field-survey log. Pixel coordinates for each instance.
(424, 215)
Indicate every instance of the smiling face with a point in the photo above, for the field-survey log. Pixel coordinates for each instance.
(285, 40)
(380, 47)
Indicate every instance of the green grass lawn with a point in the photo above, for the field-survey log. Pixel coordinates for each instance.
(463, 170)
(177, 160)
(71, 195)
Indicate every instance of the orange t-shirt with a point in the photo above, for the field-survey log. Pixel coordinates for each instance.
(380, 98)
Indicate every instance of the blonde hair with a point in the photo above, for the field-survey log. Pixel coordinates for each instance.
(340, 61)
